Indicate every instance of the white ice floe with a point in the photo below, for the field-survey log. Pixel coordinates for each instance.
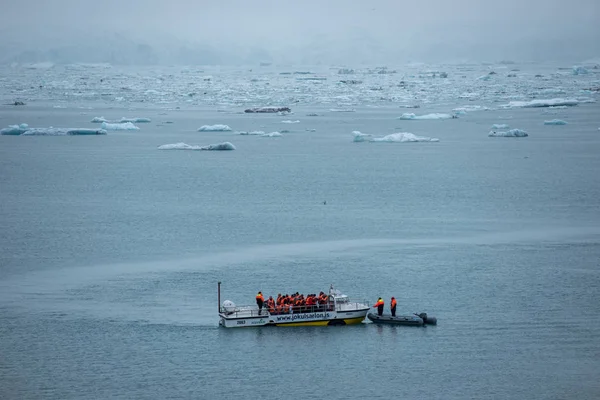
(342, 110)
(400, 137)
(542, 103)
(290, 122)
(271, 134)
(214, 128)
(184, 146)
(98, 120)
(135, 120)
(510, 133)
(25, 130)
(411, 116)
(126, 126)
(500, 126)
(555, 122)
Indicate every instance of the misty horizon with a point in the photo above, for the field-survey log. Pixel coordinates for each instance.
(334, 32)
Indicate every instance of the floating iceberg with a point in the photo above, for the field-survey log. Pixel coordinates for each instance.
(400, 137)
(184, 146)
(555, 122)
(63, 132)
(14, 130)
(500, 126)
(579, 70)
(267, 110)
(135, 120)
(214, 128)
(259, 133)
(98, 120)
(542, 103)
(511, 133)
(25, 130)
(127, 126)
(290, 122)
(251, 133)
(470, 108)
(411, 116)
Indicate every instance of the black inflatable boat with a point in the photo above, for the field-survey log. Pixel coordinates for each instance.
(410, 320)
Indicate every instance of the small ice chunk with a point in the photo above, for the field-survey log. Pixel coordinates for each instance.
(542, 103)
(510, 133)
(184, 146)
(290, 122)
(400, 137)
(214, 128)
(127, 126)
(500, 126)
(98, 120)
(267, 110)
(555, 122)
(135, 120)
(342, 110)
(271, 134)
(411, 116)
(251, 133)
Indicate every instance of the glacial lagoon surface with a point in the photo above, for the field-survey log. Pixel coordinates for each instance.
(451, 187)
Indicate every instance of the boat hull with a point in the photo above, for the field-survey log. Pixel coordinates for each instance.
(299, 319)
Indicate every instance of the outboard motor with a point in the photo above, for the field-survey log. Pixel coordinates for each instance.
(426, 319)
(229, 306)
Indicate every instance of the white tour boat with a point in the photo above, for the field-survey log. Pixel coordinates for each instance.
(338, 310)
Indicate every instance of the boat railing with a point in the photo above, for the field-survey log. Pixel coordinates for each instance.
(252, 310)
(350, 304)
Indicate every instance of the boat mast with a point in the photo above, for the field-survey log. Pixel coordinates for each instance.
(219, 294)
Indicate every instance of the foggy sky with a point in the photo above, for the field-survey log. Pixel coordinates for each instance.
(307, 30)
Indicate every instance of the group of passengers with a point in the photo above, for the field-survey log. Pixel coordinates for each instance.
(294, 303)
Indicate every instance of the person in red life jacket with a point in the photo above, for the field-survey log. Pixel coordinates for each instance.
(393, 306)
(379, 306)
(271, 304)
(259, 302)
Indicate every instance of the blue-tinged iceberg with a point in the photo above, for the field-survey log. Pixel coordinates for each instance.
(184, 146)
(510, 133)
(25, 130)
(214, 128)
(15, 130)
(126, 126)
(579, 70)
(411, 116)
(400, 137)
(555, 122)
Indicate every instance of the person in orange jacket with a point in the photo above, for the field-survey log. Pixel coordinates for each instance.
(393, 306)
(379, 306)
(259, 302)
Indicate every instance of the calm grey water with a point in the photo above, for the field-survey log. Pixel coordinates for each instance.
(110, 252)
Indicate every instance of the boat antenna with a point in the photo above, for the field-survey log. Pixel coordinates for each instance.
(219, 294)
